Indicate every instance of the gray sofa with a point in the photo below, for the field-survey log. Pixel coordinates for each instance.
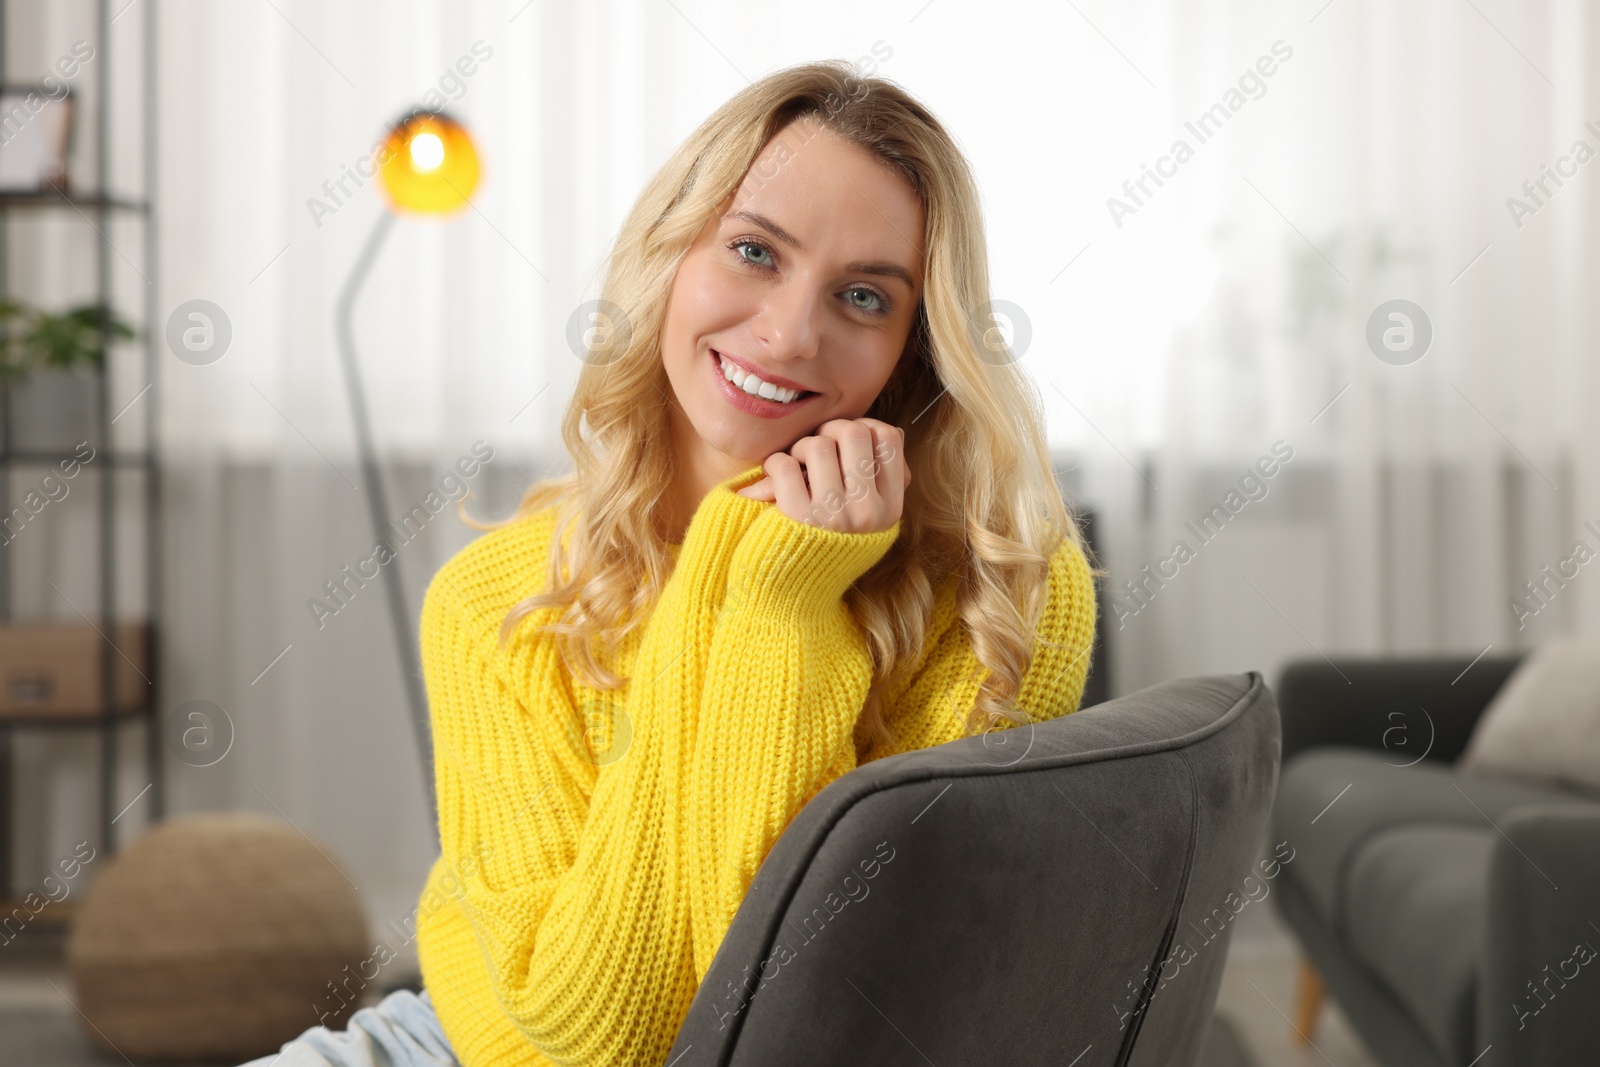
(1058, 894)
(1441, 909)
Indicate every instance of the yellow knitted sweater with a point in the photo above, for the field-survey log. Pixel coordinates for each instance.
(583, 887)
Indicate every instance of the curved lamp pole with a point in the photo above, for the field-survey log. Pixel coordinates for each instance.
(428, 166)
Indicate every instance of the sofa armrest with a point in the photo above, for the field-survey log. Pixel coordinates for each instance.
(1541, 950)
(1404, 706)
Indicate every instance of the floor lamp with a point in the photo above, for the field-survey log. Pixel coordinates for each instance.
(427, 166)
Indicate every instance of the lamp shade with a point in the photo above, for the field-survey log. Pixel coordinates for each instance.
(428, 164)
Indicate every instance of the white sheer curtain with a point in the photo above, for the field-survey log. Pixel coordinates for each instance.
(1374, 163)
(1226, 313)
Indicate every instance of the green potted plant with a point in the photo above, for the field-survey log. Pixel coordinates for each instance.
(49, 360)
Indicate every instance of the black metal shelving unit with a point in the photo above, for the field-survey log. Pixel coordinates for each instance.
(98, 204)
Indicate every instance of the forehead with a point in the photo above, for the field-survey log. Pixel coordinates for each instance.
(835, 196)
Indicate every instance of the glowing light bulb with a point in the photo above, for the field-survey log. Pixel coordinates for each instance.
(427, 152)
(428, 164)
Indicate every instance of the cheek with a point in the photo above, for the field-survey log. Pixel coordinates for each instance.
(881, 355)
(706, 298)
(861, 371)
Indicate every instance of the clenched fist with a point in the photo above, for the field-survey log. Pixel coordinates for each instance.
(851, 476)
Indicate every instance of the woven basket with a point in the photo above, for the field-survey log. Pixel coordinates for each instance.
(216, 937)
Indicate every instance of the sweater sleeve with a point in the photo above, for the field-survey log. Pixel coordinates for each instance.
(580, 904)
(788, 675)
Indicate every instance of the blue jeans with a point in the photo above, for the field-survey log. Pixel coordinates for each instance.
(400, 1030)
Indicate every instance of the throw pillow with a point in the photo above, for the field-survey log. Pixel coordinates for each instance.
(1544, 723)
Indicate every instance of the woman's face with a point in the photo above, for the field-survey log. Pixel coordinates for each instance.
(810, 275)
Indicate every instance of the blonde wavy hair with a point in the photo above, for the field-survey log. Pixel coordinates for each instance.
(983, 503)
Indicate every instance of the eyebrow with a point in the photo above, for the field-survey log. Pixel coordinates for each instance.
(878, 268)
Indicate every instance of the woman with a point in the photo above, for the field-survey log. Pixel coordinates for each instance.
(742, 593)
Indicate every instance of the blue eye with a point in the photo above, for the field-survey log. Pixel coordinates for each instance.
(737, 246)
(883, 305)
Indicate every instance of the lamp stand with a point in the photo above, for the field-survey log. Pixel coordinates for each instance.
(378, 508)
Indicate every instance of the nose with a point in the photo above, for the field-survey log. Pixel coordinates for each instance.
(787, 324)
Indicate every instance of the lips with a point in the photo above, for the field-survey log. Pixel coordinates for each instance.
(784, 383)
(755, 404)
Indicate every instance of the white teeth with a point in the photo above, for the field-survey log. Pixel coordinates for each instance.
(755, 386)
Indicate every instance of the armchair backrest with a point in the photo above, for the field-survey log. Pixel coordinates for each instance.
(1414, 707)
(1061, 893)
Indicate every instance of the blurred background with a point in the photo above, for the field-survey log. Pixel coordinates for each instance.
(1185, 312)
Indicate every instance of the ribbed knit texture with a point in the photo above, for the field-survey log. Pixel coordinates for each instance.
(579, 898)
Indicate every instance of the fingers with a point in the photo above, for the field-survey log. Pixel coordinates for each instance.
(850, 476)
(759, 490)
(868, 457)
(863, 496)
(788, 484)
(893, 473)
(820, 455)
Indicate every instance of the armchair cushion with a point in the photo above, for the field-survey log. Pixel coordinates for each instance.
(1413, 914)
(1328, 822)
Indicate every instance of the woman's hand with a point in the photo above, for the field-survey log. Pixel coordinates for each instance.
(851, 476)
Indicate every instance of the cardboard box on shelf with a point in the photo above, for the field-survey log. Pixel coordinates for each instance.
(50, 670)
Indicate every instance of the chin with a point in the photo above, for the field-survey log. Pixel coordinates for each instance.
(742, 447)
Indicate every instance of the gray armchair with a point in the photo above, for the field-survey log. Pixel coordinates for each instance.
(1439, 908)
(1024, 898)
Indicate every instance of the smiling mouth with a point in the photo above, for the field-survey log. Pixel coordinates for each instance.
(718, 367)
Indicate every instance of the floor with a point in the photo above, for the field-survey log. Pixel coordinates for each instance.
(1257, 996)
(39, 1026)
